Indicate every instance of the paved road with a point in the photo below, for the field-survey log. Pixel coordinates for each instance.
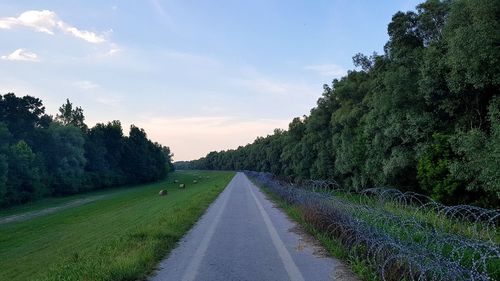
(243, 237)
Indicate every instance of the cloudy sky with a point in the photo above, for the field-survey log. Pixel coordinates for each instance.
(196, 75)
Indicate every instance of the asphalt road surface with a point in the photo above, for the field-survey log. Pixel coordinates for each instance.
(242, 236)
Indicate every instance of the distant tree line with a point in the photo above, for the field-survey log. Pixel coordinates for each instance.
(424, 116)
(41, 155)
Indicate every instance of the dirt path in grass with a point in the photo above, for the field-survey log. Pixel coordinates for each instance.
(34, 214)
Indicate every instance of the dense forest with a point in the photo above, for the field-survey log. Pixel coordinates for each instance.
(423, 116)
(42, 155)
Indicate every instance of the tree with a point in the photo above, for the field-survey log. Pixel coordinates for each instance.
(143, 160)
(69, 116)
(168, 158)
(3, 179)
(472, 36)
(63, 153)
(23, 177)
(479, 158)
(104, 148)
(434, 172)
(39, 157)
(5, 138)
(22, 115)
(422, 117)
(432, 16)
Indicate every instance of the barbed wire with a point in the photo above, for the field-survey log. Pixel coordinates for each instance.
(402, 235)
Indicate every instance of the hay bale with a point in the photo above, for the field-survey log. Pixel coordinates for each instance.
(176, 181)
(195, 181)
(162, 192)
(182, 185)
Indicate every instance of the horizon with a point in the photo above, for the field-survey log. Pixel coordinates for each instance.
(203, 78)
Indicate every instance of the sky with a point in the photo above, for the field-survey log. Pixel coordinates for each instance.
(198, 76)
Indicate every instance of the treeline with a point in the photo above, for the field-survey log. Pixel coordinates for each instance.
(424, 116)
(41, 155)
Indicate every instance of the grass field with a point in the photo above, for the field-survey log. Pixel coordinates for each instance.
(120, 237)
(57, 201)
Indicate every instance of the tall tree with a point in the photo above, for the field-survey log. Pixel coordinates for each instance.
(63, 153)
(40, 157)
(22, 115)
(71, 116)
(422, 117)
(104, 148)
(23, 178)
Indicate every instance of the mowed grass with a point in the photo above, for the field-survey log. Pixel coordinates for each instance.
(120, 237)
(58, 201)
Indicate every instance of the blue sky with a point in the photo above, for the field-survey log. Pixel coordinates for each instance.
(196, 75)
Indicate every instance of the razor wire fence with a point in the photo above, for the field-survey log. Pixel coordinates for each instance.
(402, 235)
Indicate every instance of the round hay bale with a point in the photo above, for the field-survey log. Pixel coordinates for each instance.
(162, 192)
(182, 185)
(195, 181)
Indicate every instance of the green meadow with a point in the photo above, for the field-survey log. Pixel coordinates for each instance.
(121, 236)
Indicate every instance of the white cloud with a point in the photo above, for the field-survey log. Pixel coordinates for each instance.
(108, 100)
(331, 70)
(82, 34)
(281, 88)
(41, 21)
(86, 85)
(114, 49)
(22, 55)
(97, 93)
(47, 22)
(268, 86)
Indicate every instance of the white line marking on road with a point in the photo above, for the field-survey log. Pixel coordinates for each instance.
(192, 269)
(290, 266)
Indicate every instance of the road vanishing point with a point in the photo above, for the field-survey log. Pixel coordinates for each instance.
(243, 236)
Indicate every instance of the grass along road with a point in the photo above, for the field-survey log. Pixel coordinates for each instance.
(120, 237)
(50, 202)
(243, 236)
(362, 229)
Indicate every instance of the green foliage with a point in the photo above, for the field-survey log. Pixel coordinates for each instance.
(421, 117)
(479, 159)
(3, 178)
(434, 174)
(22, 115)
(472, 37)
(64, 157)
(142, 160)
(104, 148)
(23, 176)
(4, 142)
(42, 157)
(69, 116)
